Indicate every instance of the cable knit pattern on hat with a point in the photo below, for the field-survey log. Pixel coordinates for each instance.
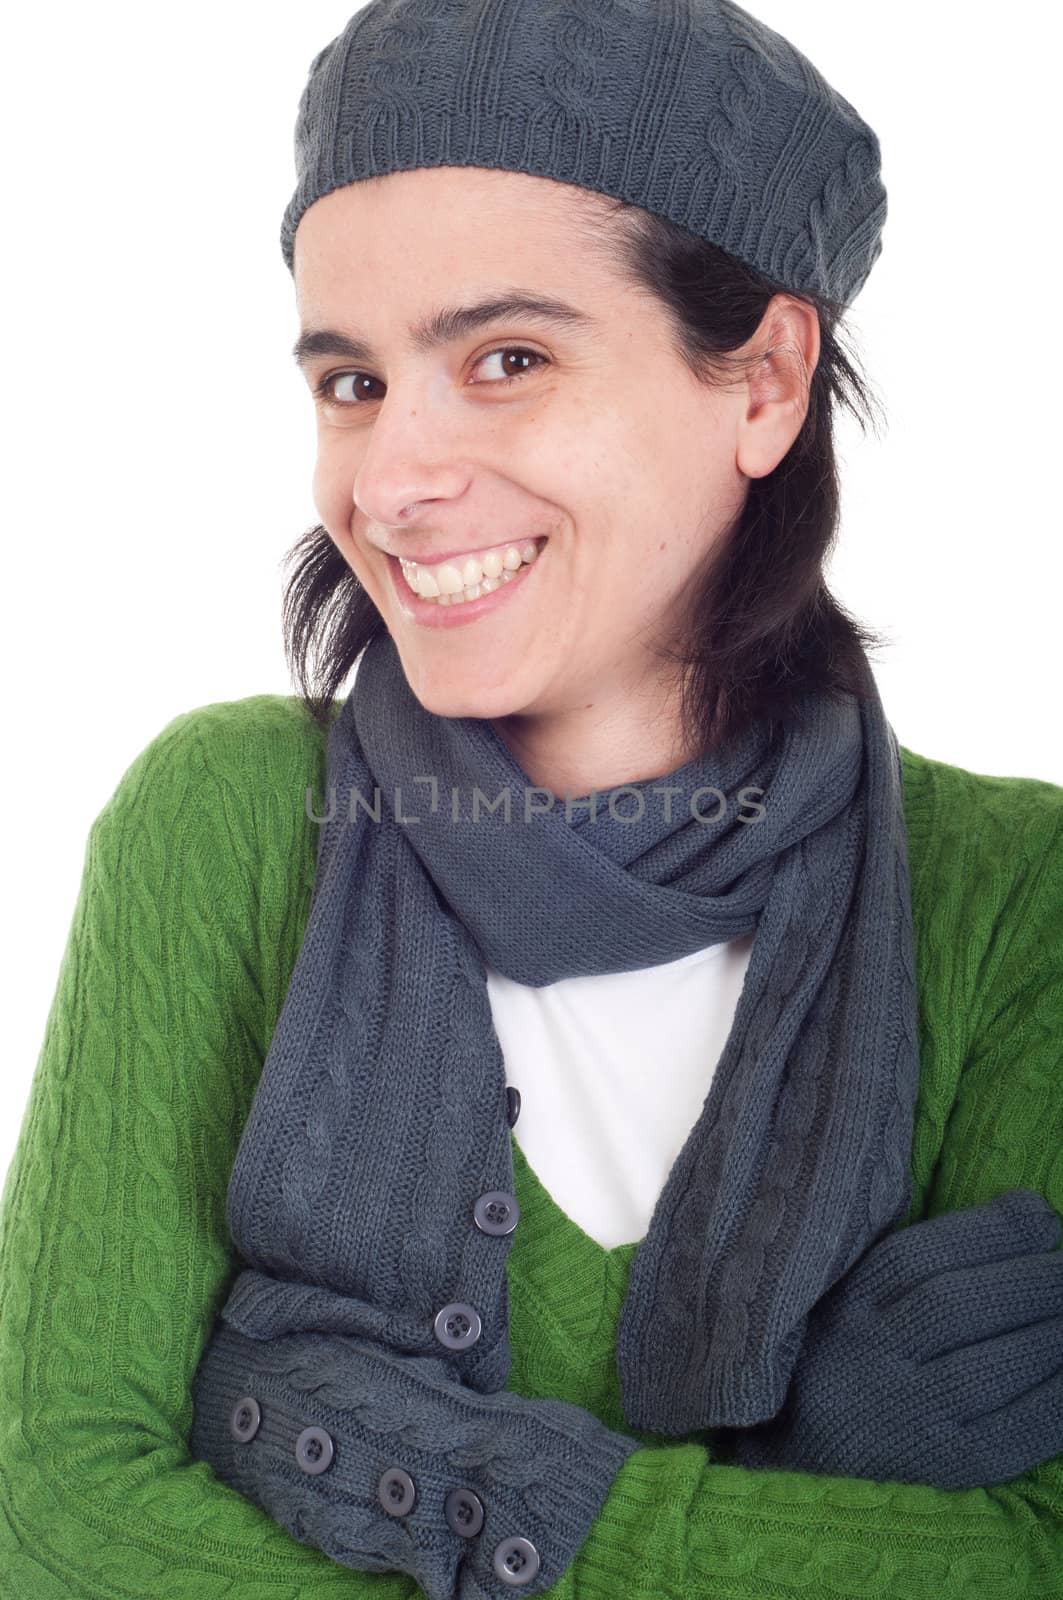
(694, 110)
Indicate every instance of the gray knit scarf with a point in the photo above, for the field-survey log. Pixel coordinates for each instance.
(380, 1118)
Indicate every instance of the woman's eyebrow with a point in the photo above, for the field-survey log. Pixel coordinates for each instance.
(449, 324)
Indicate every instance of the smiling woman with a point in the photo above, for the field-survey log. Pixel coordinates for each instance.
(677, 445)
(450, 1191)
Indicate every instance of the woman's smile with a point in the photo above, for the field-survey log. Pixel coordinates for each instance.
(467, 605)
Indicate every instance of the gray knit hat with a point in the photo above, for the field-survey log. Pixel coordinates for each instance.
(691, 109)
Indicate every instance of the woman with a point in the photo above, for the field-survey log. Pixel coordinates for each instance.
(613, 1147)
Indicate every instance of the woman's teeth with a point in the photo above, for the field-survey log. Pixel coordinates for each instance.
(468, 577)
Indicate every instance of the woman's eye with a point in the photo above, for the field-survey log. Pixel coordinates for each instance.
(513, 350)
(358, 383)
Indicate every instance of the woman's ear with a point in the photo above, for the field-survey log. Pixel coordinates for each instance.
(787, 343)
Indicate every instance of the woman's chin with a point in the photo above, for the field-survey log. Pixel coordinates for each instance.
(445, 699)
(489, 684)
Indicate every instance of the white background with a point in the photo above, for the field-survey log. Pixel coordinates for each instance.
(159, 443)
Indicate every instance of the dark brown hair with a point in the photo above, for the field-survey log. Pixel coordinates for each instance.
(757, 628)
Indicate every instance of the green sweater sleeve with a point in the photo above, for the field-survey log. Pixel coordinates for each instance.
(675, 1523)
(114, 1247)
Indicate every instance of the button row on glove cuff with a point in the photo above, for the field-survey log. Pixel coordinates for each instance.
(515, 1560)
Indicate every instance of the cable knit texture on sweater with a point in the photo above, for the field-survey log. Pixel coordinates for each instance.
(115, 1256)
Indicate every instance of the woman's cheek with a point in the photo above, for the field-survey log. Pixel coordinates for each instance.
(319, 489)
(333, 502)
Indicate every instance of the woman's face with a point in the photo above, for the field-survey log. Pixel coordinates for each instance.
(603, 450)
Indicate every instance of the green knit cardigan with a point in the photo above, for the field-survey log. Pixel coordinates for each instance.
(115, 1255)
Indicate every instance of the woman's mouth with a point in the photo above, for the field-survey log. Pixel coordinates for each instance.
(467, 587)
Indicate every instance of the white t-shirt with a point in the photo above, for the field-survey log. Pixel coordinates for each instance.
(613, 1071)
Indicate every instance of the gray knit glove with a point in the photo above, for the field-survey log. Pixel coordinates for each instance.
(937, 1359)
(389, 1463)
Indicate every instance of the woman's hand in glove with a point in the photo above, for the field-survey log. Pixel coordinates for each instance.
(389, 1463)
(938, 1358)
